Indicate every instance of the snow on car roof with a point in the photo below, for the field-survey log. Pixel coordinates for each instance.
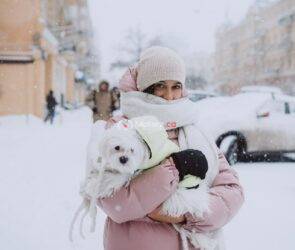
(239, 107)
(245, 101)
(242, 104)
(197, 91)
(251, 99)
(286, 98)
(264, 89)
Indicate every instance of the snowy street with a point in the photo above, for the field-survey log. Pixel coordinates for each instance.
(42, 165)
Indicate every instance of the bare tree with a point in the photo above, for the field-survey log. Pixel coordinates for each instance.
(133, 44)
(199, 66)
(194, 81)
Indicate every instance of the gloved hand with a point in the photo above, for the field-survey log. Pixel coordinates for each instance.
(190, 162)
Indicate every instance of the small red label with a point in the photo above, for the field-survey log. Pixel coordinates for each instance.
(171, 124)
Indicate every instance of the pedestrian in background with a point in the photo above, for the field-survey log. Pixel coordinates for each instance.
(50, 104)
(100, 102)
(115, 99)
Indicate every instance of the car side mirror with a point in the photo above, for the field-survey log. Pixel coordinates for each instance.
(262, 114)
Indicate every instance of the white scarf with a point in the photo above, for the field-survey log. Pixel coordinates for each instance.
(179, 113)
(171, 113)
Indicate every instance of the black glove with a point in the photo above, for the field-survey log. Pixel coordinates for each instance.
(190, 161)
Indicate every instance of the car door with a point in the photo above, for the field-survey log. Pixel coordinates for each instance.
(290, 119)
(275, 127)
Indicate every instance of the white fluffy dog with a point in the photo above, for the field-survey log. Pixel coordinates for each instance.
(122, 152)
(114, 159)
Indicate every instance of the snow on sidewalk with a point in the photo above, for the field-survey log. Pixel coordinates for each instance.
(41, 167)
(267, 219)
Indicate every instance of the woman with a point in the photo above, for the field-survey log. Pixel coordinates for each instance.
(134, 221)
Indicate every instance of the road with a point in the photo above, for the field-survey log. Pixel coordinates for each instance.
(42, 165)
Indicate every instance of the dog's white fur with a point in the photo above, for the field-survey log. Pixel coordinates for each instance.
(111, 174)
(194, 201)
(106, 174)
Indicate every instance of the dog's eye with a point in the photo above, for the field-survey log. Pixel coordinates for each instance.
(117, 147)
(132, 150)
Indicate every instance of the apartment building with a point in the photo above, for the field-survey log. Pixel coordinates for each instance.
(258, 51)
(37, 53)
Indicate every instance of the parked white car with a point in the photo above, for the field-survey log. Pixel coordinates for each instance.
(261, 89)
(197, 95)
(250, 124)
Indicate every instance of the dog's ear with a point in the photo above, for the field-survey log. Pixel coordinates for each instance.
(102, 145)
(107, 137)
(96, 136)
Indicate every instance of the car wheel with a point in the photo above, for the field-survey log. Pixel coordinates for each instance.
(232, 153)
(229, 146)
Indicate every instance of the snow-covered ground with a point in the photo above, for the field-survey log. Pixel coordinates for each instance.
(41, 166)
(267, 219)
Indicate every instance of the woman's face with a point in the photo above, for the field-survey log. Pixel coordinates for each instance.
(169, 90)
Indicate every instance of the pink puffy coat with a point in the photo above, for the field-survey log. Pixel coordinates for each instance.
(128, 228)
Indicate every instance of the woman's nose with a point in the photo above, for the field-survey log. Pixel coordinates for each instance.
(168, 95)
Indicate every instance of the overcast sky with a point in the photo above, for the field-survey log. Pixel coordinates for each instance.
(190, 24)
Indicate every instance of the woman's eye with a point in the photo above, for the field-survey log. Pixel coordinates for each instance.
(117, 148)
(159, 86)
(132, 150)
(177, 86)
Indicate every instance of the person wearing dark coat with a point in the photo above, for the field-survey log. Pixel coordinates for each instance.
(50, 104)
(115, 98)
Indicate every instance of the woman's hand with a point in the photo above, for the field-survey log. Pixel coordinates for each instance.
(157, 216)
(169, 161)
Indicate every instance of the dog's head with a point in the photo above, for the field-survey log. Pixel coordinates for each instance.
(123, 150)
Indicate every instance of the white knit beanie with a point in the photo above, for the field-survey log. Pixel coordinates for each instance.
(159, 64)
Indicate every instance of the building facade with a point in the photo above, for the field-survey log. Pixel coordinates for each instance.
(37, 53)
(258, 51)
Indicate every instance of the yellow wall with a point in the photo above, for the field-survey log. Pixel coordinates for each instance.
(70, 85)
(49, 74)
(14, 96)
(22, 88)
(22, 84)
(18, 23)
(38, 88)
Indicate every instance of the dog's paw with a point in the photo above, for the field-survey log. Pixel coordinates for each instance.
(194, 201)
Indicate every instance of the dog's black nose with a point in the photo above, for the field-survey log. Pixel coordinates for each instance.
(123, 159)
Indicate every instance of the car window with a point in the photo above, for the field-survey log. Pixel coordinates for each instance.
(273, 107)
(196, 97)
(292, 107)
